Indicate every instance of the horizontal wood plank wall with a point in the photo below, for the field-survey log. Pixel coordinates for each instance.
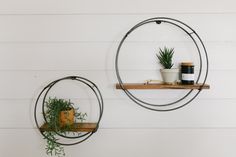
(114, 6)
(44, 40)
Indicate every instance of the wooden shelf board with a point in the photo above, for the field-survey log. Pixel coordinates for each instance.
(161, 86)
(77, 127)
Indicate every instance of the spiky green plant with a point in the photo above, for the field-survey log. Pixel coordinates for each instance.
(165, 57)
(53, 108)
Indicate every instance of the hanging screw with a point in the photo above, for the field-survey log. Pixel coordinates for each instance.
(158, 22)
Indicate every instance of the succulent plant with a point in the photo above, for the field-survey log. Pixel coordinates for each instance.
(165, 57)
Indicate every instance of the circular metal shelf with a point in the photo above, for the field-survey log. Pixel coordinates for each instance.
(81, 136)
(202, 57)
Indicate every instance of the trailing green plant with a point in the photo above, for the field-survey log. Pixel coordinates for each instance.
(165, 57)
(53, 148)
(54, 107)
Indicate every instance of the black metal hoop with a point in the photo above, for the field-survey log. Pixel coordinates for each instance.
(180, 25)
(98, 95)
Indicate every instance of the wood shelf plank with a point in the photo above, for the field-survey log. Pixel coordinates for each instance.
(161, 86)
(77, 127)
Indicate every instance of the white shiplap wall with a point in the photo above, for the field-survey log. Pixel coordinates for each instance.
(43, 40)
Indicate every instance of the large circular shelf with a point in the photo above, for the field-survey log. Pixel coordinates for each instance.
(84, 130)
(181, 102)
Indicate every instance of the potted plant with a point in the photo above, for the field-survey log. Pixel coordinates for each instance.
(60, 115)
(169, 75)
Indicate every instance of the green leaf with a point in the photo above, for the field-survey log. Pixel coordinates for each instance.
(165, 57)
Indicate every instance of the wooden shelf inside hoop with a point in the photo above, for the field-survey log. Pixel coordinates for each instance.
(161, 86)
(77, 127)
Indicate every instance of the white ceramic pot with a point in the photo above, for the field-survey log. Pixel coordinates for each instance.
(170, 76)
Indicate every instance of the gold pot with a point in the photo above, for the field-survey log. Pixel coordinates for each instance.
(67, 117)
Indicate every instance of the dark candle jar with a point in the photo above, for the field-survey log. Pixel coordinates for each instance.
(187, 73)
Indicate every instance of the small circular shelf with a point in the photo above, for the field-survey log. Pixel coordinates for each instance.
(189, 96)
(83, 130)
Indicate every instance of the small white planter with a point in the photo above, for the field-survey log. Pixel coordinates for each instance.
(170, 76)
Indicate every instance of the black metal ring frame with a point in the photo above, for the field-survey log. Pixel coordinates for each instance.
(180, 25)
(98, 95)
